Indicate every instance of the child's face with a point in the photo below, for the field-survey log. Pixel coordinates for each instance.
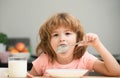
(63, 35)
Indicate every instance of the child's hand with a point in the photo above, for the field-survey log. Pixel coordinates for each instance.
(29, 75)
(46, 75)
(90, 39)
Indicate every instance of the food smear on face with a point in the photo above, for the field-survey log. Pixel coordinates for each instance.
(62, 48)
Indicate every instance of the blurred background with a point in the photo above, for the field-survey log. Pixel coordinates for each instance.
(22, 19)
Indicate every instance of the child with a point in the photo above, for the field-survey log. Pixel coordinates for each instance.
(65, 29)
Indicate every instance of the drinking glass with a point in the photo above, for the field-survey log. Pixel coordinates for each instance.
(17, 67)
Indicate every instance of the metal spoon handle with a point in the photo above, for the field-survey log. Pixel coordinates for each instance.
(80, 42)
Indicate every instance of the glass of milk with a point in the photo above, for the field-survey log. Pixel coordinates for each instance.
(17, 67)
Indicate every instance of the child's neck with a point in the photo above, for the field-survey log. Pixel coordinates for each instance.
(65, 60)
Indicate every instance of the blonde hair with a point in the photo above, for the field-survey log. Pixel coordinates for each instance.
(58, 19)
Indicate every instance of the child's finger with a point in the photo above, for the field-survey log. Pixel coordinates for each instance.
(29, 75)
(47, 76)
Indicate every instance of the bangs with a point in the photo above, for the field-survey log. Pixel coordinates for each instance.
(64, 20)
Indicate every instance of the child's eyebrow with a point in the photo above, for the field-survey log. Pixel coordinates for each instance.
(68, 30)
(55, 31)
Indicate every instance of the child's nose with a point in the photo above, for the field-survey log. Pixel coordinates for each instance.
(62, 38)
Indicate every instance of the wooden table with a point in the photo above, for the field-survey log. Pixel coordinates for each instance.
(98, 77)
(89, 77)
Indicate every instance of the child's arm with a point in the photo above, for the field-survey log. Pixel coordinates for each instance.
(109, 66)
(32, 73)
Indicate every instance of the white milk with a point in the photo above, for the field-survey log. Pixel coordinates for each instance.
(3, 72)
(17, 68)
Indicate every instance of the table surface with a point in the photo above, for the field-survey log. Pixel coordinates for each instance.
(88, 77)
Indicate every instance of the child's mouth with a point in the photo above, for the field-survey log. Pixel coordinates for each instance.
(62, 48)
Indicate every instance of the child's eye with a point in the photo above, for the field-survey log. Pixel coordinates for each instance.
(55, 35)
(67, 33)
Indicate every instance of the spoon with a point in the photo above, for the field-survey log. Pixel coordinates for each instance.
(64, 48)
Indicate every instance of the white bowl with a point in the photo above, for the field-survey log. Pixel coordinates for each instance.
(66, 73)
